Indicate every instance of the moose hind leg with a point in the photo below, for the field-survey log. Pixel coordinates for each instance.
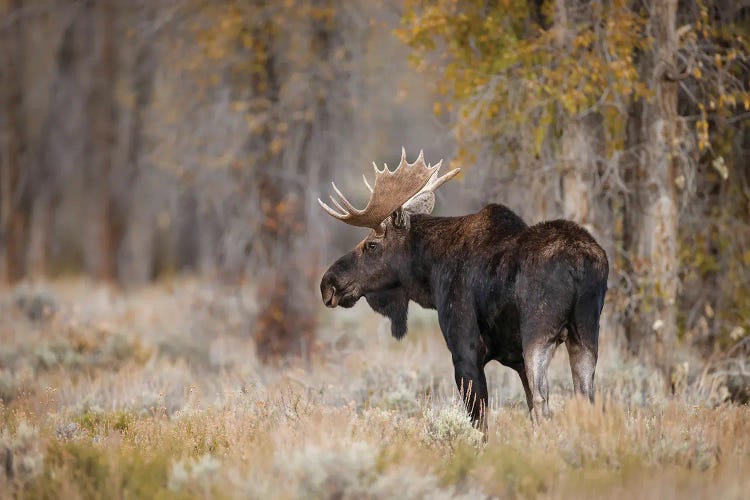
(536, 359)
(521, 369)
(582, 367)
(583, 344)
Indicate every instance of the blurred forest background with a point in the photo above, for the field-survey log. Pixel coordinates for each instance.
(144, 138)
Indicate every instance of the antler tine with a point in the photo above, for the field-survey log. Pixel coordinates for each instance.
(331, 211)
(367, 183)
(349, 207)
(435, 182)
(420, 158)
(342, 209)
(403, 162)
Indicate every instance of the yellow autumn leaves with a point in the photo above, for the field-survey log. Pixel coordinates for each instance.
(508, 65)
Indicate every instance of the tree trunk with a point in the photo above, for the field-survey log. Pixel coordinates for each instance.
(285, 324)
(40, 228)
(13, 219)
(286, 321)
(652, 216)
(186, 238)
(57, 152)
(582, 149)
(103, 229)
(136, 255)
(135, 252)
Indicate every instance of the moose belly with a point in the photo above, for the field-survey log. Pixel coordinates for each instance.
(502, 336)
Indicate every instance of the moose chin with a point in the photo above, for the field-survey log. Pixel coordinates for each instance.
(503, 290)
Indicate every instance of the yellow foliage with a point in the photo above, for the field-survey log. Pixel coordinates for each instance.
(502, 56)
(495, 59)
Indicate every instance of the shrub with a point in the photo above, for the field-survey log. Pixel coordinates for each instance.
(198, 473)
(21, 457)
(449, 426)
(329, 473)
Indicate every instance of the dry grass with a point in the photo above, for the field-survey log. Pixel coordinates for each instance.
(159, 394)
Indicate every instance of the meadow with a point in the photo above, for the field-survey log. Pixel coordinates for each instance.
(158, 393)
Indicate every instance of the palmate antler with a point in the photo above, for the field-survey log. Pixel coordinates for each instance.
(390, 191)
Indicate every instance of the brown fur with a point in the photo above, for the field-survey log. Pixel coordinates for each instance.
(503, 291)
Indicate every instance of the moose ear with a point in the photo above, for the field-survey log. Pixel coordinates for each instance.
(422, 203)
(400, 219)
(394, 305)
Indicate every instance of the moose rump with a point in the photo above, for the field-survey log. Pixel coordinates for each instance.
(555, 285)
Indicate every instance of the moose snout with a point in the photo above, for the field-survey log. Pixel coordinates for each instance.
(338, 287)
(328, 291)
(329, 297)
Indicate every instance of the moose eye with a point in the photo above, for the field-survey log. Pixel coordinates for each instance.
(371, 245)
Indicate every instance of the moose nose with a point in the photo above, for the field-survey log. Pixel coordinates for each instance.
(329, 297)
(328, 290)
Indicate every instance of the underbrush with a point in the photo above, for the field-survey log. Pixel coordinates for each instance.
(159, 394)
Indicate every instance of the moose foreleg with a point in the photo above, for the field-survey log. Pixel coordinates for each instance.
(472, 386)
(461, 333)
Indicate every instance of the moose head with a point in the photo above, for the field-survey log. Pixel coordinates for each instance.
(374, 267)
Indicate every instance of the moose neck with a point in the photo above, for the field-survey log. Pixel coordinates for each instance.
(430, 255)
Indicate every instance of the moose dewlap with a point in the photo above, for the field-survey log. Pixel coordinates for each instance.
(503, 290)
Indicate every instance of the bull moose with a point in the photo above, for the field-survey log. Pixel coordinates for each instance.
(503, 290)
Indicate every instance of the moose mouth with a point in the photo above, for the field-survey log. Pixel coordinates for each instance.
(346, 297)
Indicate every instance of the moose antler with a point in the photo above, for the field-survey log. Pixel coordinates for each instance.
(435, 182)
(390, 191)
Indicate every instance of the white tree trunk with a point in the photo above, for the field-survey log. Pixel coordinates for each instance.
(653, 214)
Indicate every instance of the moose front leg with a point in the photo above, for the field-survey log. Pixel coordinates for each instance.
(472, 386)
(461, 333)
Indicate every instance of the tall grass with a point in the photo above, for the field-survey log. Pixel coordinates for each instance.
(158, 394)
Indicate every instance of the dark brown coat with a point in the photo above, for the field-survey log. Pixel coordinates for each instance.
(503, 291)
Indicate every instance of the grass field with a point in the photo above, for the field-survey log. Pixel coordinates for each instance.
(158, 394)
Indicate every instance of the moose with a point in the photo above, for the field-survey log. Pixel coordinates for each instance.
(503, 290)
